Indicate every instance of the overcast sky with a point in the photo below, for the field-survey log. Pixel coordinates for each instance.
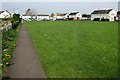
(59, 0)
(58, 7)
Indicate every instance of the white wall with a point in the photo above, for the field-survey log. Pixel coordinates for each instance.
(60, 17)
(84, 18)
(105, 16)
(43, 17)
(79, 15)
(26, 17)
(109, 16)
(112, 15)
(75, 16)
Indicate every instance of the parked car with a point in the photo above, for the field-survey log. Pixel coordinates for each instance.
(27, 19)
(39, 19)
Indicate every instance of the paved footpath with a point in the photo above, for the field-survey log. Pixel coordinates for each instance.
(25, 59)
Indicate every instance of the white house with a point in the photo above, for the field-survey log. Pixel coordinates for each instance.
(60, 16)
(86, 17)
(108, 14)
(43, 17)
(29, 14)
(24, 17)
(75, 16)
(5, 14)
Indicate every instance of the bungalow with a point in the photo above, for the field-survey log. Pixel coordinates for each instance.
(30, 14)
(5, 14)
(86, 17)
(103, 15)
(25, 17)
(43, 17)
(75, 16)
(60, 16)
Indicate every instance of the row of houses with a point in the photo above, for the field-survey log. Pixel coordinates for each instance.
(96, 15)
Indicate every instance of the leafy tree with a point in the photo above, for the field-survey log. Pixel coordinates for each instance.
(52, 14)
(16, 17)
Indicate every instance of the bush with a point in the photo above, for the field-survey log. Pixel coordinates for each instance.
(16, 17)
(8, 43)
(6, 19)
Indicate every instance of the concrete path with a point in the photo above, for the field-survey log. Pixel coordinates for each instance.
(25, 59)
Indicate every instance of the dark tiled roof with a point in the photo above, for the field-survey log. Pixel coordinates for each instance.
(101, 11)
(86, 15)
(1, 12)
(74, 13)
(60, 14)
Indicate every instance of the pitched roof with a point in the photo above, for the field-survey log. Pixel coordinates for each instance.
(1, 12)
(101, 11)
(86, 15)
(5, 11)
(31, 12)
(73, 13)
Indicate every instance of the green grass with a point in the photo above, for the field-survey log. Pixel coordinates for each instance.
(76, 49)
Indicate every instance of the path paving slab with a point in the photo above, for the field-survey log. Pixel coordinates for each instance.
(25, 59)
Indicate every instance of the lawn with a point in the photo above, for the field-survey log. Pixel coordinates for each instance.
(76, 49)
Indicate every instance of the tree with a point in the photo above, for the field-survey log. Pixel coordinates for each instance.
(16, 17)
(52, 14)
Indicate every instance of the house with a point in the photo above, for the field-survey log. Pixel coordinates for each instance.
(43, 17)
(29, 14)
(60, 16)
(5, 14)
(118, 16)
(86, 17)
(36, 17)
(103, 15)
(25, 17)
(75, 16)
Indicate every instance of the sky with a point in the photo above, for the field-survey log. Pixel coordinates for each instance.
(60, 0)
(58, 7)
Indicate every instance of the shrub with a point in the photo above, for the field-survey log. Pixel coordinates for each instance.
(8, 43)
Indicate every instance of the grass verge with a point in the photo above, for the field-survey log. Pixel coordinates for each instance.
(76, 49)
